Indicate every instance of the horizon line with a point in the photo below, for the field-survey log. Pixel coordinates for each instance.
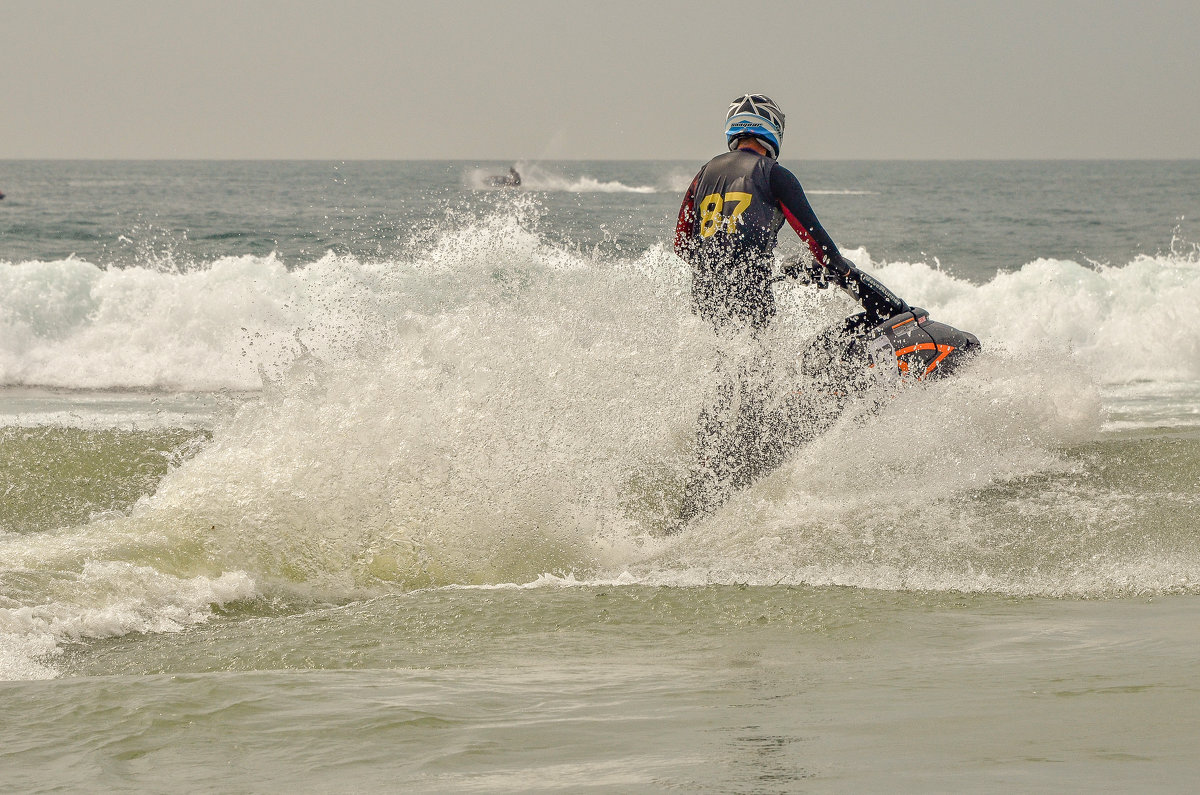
(1080, 159)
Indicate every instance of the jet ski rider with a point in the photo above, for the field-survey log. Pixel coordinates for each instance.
(730, 219)
(728, 227)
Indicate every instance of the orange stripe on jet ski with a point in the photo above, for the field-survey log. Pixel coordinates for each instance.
(921, 346)
(943, 352)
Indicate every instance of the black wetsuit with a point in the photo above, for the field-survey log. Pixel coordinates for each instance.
(728, 226)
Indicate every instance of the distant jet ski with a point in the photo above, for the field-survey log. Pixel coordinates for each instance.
(758, 418)
(510, 180)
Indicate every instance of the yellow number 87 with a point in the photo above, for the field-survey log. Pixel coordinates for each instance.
(711, 218)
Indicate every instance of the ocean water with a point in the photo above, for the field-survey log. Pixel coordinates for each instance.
(350, 477)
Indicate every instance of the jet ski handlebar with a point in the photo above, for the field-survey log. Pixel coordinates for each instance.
(879, 302)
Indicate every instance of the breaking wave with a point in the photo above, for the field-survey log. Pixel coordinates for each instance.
(496, 408)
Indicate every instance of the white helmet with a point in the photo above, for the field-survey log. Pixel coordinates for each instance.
(755, 115)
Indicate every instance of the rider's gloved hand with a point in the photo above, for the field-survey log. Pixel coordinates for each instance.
(793, 269)
(806, 272)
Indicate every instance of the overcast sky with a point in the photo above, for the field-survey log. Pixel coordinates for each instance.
(538, 79)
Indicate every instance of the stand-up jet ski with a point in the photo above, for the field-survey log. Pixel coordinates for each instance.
(759, 415)
(510, 180)
(900, 341)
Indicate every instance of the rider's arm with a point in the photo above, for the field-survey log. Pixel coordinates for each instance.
(879, 301)
(683, 227)
(800, 216)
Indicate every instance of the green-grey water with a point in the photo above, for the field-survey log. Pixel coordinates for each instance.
(628, 688)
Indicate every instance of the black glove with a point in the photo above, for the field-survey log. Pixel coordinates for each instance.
(806, 272)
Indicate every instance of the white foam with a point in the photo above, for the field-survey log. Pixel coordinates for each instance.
(1139, 321)
(75, 325)
(491, 408)
(103, 599)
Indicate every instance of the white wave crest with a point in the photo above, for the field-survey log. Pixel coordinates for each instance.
(76, 325)
(103, 599)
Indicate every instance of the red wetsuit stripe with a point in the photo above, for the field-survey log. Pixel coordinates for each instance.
(813, 246)
(683, 227)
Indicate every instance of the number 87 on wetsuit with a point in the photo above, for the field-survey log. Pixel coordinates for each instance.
(731, 215)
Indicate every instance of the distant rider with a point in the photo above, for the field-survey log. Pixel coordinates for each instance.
(510, 180)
